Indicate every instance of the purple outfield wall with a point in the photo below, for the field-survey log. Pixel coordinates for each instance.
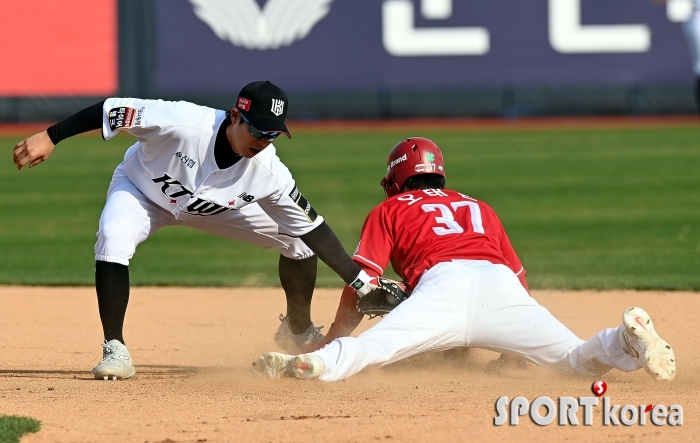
(206, 46)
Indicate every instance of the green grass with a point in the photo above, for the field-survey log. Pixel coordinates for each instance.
(13, 427)
(596, 209)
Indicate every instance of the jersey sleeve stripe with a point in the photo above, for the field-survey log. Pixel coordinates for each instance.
(522, 268)
(369, 263)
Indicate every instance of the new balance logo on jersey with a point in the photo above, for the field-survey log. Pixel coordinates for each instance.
(277, 107)
(303, 204)
(246, 197)
(185, 160)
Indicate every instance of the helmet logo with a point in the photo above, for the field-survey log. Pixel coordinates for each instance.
(420, 167)
(397, 161)
(430, 156)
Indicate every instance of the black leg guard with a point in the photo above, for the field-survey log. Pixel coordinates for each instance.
(298, 278)
(112, 285)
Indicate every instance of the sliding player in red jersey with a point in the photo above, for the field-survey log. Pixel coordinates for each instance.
(467, 287)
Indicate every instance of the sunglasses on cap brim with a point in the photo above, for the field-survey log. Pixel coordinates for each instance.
(271, 135)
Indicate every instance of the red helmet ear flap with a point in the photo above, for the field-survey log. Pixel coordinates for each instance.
(394, 190)
(391, 188)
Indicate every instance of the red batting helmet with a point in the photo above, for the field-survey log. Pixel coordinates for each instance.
(413, 156)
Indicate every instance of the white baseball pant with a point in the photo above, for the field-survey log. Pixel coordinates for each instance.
(474, 303)
(129, 218)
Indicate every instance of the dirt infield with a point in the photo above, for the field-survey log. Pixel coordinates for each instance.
(193, 349)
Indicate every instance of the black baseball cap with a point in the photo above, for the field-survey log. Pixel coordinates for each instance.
(265, 106)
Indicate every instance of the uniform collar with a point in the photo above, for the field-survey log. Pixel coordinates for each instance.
(223, 153)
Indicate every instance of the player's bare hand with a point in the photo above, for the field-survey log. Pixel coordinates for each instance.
(33, 150)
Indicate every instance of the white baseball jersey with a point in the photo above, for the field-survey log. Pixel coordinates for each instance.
(173, 165)
(691, 29)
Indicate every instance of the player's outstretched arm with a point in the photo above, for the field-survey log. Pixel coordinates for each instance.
(39, 147)
(323, 241)
(33, 150)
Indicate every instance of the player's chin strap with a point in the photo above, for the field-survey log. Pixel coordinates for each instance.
(363, 284)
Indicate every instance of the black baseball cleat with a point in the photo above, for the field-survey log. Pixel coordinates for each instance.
(296, 342)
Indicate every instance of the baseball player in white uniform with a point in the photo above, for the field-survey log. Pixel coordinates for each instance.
(213, 171)
(691, 29)
(467, 289)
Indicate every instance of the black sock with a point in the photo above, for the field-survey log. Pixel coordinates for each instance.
(112, 285)
(298, 278)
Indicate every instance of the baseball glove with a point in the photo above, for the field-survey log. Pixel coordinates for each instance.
(383, 299)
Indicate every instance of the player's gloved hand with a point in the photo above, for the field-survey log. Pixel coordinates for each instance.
(364, 284)
(384, 299)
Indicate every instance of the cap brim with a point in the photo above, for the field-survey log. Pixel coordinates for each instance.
(265, 124)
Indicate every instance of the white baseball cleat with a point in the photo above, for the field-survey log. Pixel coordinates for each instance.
(307, 366)
(640, 340)
(116, 362)
(273, 365)
(278, 365)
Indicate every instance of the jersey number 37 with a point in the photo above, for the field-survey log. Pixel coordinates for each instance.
(447, 217)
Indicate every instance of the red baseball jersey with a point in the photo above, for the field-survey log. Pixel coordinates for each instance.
(418, 229)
